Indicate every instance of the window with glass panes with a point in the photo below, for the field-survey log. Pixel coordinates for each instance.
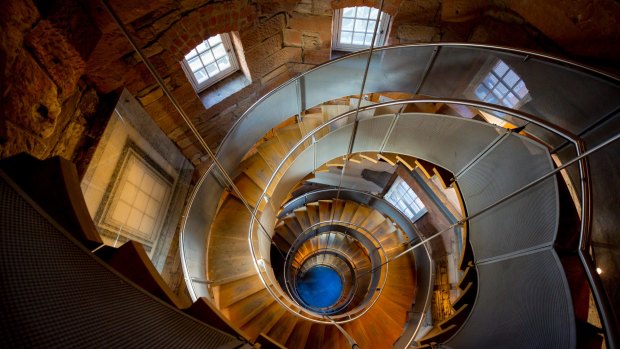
(502, 86)
(354, 26)
(405, 199)
(210, 61)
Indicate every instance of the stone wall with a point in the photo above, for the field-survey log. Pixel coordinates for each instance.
(277, 40)
(45, 107)
(584, 30)
(274, 40)
(57, 54)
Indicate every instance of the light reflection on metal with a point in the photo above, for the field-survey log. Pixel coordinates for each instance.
(596, 286)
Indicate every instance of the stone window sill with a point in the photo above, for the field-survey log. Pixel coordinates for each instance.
(223, 89)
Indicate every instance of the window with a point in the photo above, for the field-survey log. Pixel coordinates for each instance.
(353, 28)
(139, 196)
(402, 196)
(210, 61)
(501, 85)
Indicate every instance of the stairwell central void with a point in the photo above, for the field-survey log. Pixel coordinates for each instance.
(320, 287)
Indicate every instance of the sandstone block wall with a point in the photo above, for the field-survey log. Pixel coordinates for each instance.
(45, 107)
(51, 50)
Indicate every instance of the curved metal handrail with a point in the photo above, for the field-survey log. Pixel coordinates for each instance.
(394, 213)
(300, 239)
(320, 194)
(493, 48)
(344, 300)
(331, 224)
(299, 312)
(481, 105)
(605, 310)
(594, 280)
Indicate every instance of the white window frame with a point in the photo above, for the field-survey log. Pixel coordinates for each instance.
(488, 70)
(337, 32)
(396, 196)
(232, 58)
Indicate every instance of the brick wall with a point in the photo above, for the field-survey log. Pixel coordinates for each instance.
(63, 47)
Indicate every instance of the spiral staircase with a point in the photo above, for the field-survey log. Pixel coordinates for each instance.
(260, 233)
(531, 179)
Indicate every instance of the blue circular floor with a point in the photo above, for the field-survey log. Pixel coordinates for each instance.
(320, 287)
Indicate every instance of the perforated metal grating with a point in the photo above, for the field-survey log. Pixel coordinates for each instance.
(523, 302)
(528, 220)
(55, 295)
(447, 141)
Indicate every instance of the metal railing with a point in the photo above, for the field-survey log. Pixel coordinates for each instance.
(605, 309)
(422, 257)
(349, 282)
(361, 197)
(291, 304)
(368, 241)
(529, 118)
(595, 82)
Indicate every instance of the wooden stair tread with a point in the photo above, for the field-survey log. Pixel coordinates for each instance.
(373, 220)
(401, 296)
(232, 278)
(390, 241)
(237, 290)
(317, 337)
(370, 156)
(378, 312)
(267, 342)
(264, 321)
(446, 178)
(311, 122)
(389, 158)
(330, 111)
(299, 336)
(366, 114)
(358, 332)
(231, 219)
(384, 229)
(337, 208)
(293, 225)
(396, 312)
(272, 152)
(225, 267)
(325, 210)
(312, 209)
(257, 169)
(289, 136)
(407, 161)
(426, 167)
(283, 230)
(283, 328)
(248, 188)
(360, 214)
(378, 328)
(349, 209)
(330, 338)
(232, 247)
(242, 311)
(281, 242)
(302, 217)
